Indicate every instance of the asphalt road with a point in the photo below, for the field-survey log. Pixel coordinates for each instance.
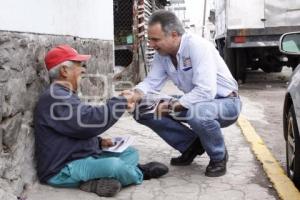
(263, 96)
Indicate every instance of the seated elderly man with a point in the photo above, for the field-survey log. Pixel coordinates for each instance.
(68, 149)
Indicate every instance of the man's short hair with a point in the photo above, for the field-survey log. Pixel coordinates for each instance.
(54, 71)
(168, 20)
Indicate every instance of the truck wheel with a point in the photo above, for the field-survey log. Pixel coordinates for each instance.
(278, 69)
(293, 62)
(270, 63)
(241, 63)
(229, 57)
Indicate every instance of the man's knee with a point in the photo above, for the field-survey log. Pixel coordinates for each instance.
(196, 122)
(202, 123)
(142, 119)
(115, 165)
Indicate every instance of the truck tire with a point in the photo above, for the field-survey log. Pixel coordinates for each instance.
(278, 69)
(241, 63)
(270, 60)
(293, 61)
(230, 59)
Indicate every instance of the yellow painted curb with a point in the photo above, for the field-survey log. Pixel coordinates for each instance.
(283, 185)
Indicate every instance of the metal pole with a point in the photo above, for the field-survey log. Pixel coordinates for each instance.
(204, 14)
(153, 5)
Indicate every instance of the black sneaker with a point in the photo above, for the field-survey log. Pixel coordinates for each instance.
(153, 170)
(189, 155)
(102, 187)
(217, 168)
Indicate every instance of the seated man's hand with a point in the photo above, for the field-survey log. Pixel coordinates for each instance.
(106, 142)
(133, 97)
(129, 96)
(137, 95)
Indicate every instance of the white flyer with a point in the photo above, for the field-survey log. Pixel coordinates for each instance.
(120, 143)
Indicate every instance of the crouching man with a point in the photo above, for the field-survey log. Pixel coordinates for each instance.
(68, 149)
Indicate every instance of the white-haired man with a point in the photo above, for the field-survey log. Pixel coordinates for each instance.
(68, 151)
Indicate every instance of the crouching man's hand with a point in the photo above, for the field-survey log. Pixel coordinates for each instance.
(169, 107)
(133, 97)
(129, 96)
(162, 109)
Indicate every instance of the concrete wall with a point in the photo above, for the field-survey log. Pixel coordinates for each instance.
(28, 29)
(82, 18)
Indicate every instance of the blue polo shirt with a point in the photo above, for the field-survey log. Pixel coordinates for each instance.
(66, 129)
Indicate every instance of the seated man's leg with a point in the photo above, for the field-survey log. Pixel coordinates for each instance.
(122, 167)
(91, 168)
(129, 156)
(177, 135)
(206, 120)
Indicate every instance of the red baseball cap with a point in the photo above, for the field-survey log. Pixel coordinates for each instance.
(63, 53)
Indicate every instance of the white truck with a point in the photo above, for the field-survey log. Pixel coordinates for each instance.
(247, 33)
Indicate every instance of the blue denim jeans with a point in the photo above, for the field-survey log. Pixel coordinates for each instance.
(119, 166)
(204, 120)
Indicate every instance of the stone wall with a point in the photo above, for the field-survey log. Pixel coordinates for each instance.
(22, 78)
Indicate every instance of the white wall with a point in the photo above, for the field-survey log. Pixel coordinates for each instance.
(82, 18)
(245, 15)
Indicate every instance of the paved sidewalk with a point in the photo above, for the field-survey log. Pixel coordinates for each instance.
(245, 178)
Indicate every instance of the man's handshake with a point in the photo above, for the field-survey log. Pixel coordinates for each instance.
(133, 97)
